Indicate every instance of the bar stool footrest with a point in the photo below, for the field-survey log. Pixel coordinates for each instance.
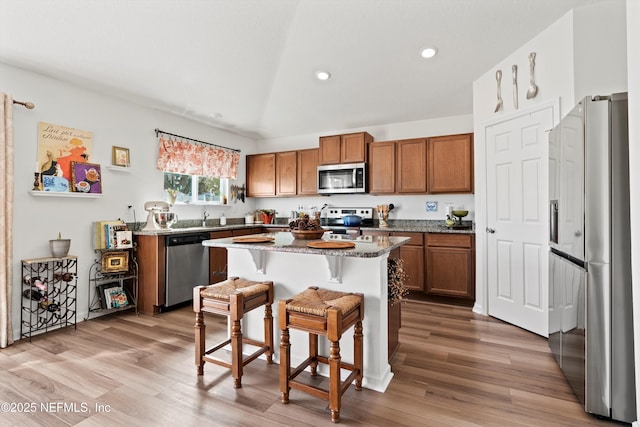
(246, 360)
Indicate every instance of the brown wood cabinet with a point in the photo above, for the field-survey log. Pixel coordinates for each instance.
(450, 164)
(308, 172)
(411, 166)
(151, 256)
(450, 265)
(398, 167)
(382, 167)
(441, 164)
(286, 173)
(261, 175)
(218, 258)
(413, 255)
(347, 148)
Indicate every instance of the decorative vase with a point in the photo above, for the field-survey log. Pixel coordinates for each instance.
(59, 247)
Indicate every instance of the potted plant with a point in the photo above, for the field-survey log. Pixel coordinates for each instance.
(175, 183)
(59, 247)
(267, 215)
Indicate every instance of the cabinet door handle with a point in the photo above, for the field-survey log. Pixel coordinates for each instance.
(490, 230)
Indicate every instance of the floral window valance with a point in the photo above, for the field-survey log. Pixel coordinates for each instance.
(185, 157)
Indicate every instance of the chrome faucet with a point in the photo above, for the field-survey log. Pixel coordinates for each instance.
(205, 215)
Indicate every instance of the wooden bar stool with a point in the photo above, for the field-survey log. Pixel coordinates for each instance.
(233, 298)
(321, 312)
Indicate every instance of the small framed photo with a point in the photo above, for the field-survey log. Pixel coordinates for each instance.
(121, 157)
(86, 177)
(115, 262)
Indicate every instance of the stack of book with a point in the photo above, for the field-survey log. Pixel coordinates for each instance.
(112, 235)
(114, 297)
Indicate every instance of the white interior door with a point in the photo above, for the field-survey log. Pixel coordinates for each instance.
(517, 220)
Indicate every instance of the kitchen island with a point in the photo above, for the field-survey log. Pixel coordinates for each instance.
(293, 267)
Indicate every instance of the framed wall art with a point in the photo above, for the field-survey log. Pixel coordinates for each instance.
(120, 157)
(115, 262)
(86, 177)
(58, 146)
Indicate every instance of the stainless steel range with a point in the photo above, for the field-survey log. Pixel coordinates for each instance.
(335, 222)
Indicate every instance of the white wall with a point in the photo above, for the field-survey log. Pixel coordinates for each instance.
(566, 71)
(633, 71)
(407, 207)
(113, 122)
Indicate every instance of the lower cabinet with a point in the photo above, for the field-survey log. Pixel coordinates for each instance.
(151, 267)
(413, 255)
(437, 264)
(450, 265)
(218, 258)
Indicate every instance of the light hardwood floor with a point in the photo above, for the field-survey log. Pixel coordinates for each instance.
(453, 368)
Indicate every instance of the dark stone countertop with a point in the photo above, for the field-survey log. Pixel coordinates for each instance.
(406, 226)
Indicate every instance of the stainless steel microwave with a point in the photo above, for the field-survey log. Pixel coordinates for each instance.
(342, 179)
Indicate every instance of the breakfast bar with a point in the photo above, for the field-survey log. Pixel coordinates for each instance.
(294, 266)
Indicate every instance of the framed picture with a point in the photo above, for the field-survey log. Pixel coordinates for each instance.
(54, 183)
(86, 177)
(120, 157)
(115, 262)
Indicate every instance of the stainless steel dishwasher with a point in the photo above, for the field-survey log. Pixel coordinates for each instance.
(187, 265)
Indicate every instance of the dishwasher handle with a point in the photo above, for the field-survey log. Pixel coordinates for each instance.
(186, 239)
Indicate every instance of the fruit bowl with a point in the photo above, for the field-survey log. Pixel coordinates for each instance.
(460, 214)
(307, 234)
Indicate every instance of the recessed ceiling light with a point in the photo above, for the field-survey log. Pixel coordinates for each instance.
(215, 116)
(429, 52)
(323, 75)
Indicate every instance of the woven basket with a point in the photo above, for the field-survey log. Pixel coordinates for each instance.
(308, 234)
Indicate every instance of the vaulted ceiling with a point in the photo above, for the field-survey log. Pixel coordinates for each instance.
(248, 66)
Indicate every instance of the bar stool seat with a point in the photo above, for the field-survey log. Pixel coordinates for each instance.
(328, 313)
(233, 298)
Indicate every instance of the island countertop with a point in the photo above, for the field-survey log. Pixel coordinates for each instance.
(366, 246)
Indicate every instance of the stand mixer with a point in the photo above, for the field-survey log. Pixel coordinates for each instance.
(159, 216)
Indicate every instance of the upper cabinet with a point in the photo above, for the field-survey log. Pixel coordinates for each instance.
(441, 164)
(411, 166)
(450, 164)
(308, 172)
(348, 148)
(398, 167)
(261, 175)
(286, 173)
(382, 167)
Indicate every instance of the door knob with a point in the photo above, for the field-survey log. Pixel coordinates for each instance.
(490, 230)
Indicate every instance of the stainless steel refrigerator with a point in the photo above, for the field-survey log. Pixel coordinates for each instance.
(590, 302)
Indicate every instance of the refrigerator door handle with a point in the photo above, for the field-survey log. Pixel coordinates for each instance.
(553, 221)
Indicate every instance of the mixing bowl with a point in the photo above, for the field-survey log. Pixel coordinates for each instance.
(165, 219)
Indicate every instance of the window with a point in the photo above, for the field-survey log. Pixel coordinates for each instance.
(195, 189)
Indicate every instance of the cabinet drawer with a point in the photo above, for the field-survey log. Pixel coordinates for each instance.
(417, 239)
(447, 239)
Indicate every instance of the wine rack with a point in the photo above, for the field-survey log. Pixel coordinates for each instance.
(49, 294)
